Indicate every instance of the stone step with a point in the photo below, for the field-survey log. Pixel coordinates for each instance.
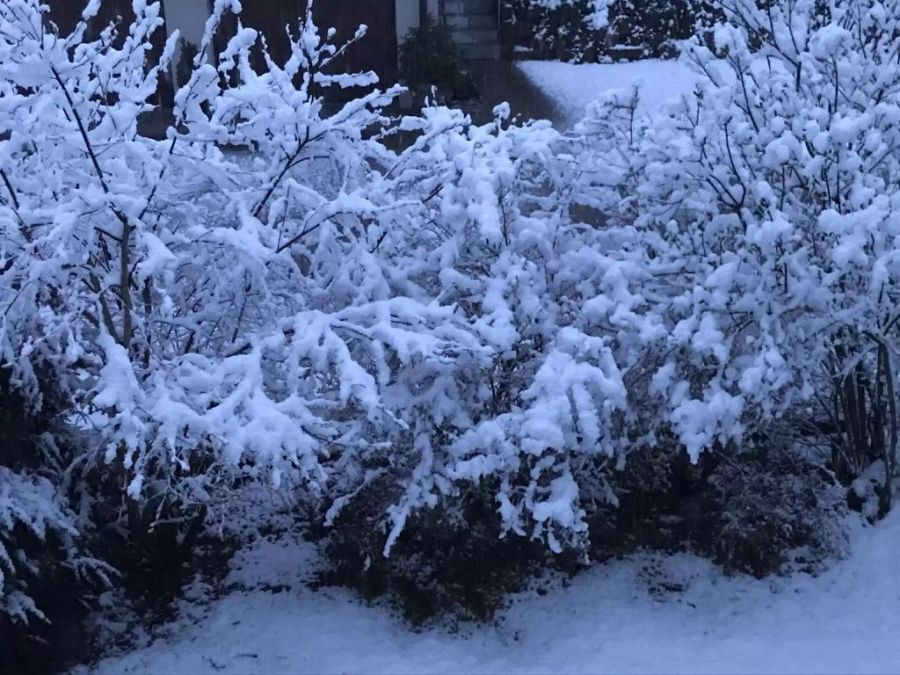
(462, 21)
(469, 7)
(475, 36)
(475, 52)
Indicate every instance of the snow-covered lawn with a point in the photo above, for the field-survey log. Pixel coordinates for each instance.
(572, 86)
(644, 614)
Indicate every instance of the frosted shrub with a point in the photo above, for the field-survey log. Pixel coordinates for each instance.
(787, 518)
(192, 302)
(590, 30)
(574, 30)
(495, 314)
(46, 575)
(762, 216)
(311, 311)
(655, 26)
(201, 316)
(31, 518)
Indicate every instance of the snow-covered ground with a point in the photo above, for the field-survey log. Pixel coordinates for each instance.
(573, 86)
(645, 614)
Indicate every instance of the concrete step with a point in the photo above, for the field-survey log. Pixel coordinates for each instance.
(469, 7)
(478, 52)
(475, 36)
(462, 21)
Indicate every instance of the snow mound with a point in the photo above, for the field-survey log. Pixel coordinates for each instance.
(572, 86)
(646, 614)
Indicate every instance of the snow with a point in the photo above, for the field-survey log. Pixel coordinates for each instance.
(647, 613)
(572, 86)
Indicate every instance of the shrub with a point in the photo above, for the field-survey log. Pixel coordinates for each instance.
(571, 30)
(450, 561)
(773, 310)
(433, 337)
(591, 30)
(48, 577)
(777, 513)
(655, 26)
(431, 62)
(761, 511)
(764, 510)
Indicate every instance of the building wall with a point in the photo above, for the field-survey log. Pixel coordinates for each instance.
(407, 17)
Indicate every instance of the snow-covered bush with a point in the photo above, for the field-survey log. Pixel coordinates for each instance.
(549, 403)
(787, 518)
(46, 573)
(761, 220)
(760, 509)
(654, 26)
(306, 308)
(188, 301)
(573, 30)
(31, 518)
(494, 315)
(588, 30)
(200, 315)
